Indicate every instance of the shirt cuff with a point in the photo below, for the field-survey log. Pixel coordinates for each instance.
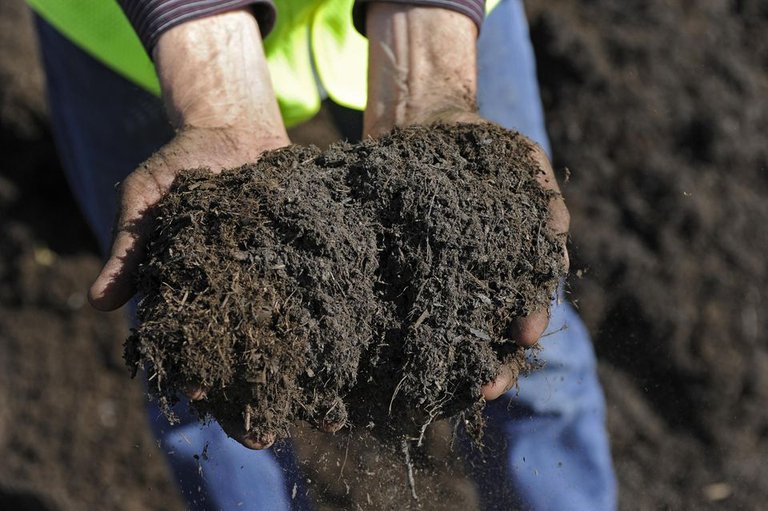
(475, 9)
(151, 18)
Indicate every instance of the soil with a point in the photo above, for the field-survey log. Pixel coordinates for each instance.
(658, 108)
(391, 269)
(660, 111)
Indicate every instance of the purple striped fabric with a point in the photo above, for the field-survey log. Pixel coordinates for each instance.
(150, 18)
(475, 9)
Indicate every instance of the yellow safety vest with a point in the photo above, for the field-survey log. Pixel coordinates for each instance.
(305, 31)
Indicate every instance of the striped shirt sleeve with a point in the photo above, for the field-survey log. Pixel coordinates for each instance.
(150, 18)
(475, 9)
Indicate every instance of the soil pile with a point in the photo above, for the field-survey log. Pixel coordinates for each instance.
(390, 269)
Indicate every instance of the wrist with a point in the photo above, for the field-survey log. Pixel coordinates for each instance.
(213, 75)
(422, 64)
(231, 140)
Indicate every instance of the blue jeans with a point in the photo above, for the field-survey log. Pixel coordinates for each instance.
(547, 448)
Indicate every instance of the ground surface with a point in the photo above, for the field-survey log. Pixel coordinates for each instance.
(659, 109)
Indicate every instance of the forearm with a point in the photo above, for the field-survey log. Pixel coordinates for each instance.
(213, 74)
(218, 94)
(422, 62)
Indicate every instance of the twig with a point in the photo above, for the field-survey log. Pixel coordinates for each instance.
(409, 467)
(394, 394)
(424, 315)
(553, 332)
(346, 453)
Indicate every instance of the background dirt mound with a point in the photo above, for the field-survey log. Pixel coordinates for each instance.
(380, 278)
(659, 109)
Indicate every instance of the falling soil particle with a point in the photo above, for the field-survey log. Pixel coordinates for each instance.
(372, 285)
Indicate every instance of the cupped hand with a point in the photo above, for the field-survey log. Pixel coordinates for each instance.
(528, 330)
(525, 331)
(191, 148)
(423, 69)
(218, 94)
(214, 149)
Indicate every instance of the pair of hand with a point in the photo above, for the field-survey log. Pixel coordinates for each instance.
(218, 150)
(228, 116)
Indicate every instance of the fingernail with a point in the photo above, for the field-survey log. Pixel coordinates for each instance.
(259, 442)
(331, 427)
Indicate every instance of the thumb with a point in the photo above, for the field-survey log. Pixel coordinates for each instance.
(114, 285)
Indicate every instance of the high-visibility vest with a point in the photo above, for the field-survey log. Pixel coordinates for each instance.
(306, 32)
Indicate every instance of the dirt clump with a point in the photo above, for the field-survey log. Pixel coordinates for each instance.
(371, 284)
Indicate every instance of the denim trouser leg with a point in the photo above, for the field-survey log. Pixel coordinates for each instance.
(215, 472)
(547, 446)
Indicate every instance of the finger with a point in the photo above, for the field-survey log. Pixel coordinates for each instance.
(500, 385)
(330, 427)
(559, 217)
(333, 416)
(258, 443)
(566, 261)
(547, 177)
(527, 331)
(114, 285)
(236, 430)
(195, 392)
